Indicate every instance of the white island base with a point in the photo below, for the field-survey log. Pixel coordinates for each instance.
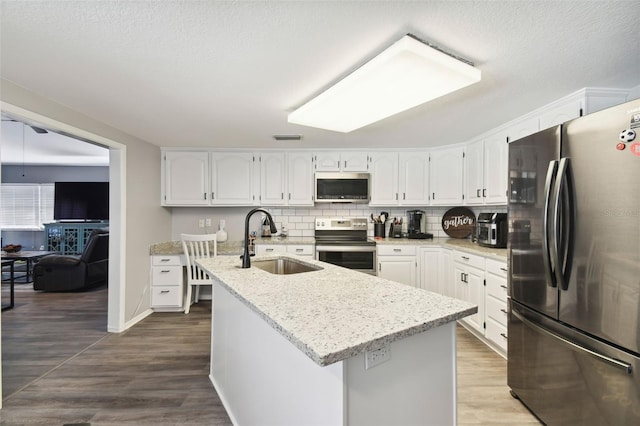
(262, 379)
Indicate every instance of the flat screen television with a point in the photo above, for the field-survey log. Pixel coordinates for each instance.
(81, 201)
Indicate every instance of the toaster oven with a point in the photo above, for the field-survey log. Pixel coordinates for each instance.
(492, 230)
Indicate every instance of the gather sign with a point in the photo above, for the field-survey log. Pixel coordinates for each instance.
(459, 222)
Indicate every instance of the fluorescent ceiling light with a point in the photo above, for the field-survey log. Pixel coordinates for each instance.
(405, 75)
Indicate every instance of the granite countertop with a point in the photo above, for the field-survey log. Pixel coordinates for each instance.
(235, 247)
(335, 313)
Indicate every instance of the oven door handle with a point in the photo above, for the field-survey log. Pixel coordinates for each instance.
(346, 248)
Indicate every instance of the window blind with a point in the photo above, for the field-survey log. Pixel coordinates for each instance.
(26, 206)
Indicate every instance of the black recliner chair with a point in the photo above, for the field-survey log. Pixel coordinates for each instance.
(67, 273)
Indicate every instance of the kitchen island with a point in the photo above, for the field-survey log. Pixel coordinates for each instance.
(294, 349)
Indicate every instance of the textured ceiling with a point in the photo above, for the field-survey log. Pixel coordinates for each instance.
(227, 73)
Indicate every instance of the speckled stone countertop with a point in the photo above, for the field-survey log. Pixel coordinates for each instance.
(235, 247)
(335, 313)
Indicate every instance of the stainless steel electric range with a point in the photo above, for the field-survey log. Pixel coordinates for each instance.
(343, 242)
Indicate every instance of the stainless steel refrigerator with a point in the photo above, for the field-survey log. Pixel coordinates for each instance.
(574, 271)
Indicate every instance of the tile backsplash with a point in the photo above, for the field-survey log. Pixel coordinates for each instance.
(300, 221)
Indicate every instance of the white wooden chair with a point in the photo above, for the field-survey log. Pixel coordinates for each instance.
(198, 246)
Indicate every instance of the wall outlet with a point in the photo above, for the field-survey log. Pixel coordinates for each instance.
(377, 357)
(201, 223)
(207, 222)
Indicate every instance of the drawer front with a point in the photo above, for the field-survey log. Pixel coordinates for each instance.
(396, 250)
(166, 275)
(496, 267)
(497, 287)
(166, 296)
(497, 333)
(497, 310)
(303, 250)
(266, 249)
(165, 260)
(468, 259)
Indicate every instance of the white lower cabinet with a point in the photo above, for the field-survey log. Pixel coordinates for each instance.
(496, 304)
(468, 273)
(166, 283)
(430, 269)
(397, 263)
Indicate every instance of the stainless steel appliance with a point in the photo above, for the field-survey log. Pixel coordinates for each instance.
(491, 230)
(574, 273)
(344, 242)
(417, 225)
(341, 187)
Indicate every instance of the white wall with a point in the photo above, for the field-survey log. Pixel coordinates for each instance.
(146, 221)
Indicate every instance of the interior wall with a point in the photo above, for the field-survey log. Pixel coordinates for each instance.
(146, 221)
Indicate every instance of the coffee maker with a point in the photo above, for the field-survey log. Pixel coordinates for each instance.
(417, 225)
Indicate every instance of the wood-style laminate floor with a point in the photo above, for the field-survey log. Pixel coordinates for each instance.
(61, 367)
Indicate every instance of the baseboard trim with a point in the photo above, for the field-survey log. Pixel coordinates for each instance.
(133, 321)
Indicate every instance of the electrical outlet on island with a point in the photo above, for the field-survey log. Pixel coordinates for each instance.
(377, 357)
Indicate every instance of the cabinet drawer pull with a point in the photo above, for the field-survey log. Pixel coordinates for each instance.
(504, 335)
(165, 271)
(465, 257)
(164, 291)
(268, 249)
(503, 269)
(299, 250)
(397, 249)
(164, 260)
(503, 311)
(503, 286)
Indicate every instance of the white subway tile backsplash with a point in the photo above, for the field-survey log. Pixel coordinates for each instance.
(295, 219)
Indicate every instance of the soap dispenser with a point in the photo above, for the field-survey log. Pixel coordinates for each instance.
(221, 235)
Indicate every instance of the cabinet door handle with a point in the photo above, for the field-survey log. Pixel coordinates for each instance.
(404, 195)
(213, 195)
(461, 276)
(433, 197)
(484, 193)
(379, 266)
(205, 195)
(477, 193)
(396, 196)
(504, 335)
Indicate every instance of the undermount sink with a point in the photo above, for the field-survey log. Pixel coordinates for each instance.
(284, 266)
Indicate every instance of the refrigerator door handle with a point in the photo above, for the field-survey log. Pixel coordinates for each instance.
(625, 366)
(560, 234)
(549, 265)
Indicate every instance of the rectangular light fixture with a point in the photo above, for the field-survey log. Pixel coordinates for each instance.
(405, 75)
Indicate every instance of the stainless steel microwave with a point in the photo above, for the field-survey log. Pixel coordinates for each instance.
(341, 187)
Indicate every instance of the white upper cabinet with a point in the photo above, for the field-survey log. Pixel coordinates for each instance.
(384, 178)
(413, 178)
(300, 178)
(561, 112)
(338, 161)
(496, 169)
(399, 179)
(521, 128)
(273, 179)
(185, 178)
(474, 173)
(485, 170)
(446, 176)
(233, 180)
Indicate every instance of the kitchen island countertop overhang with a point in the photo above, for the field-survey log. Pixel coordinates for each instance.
(335, 313)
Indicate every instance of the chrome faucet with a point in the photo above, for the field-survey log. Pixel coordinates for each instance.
(246, 259)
